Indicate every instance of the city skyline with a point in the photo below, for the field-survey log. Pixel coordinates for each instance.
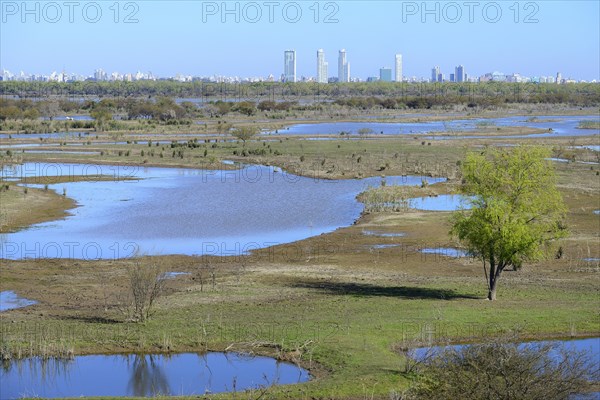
(531, 46)
(289, 74)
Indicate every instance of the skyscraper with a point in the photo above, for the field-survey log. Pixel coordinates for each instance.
(459, 74)
(289, 66)
(343, 67)
(385, 74)
(321, 67)
(435, 73)
(398, 67)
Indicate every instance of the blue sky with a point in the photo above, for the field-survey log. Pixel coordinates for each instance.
(200, 38)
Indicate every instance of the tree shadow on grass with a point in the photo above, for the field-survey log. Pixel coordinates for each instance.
(368, 290)
(90, 319)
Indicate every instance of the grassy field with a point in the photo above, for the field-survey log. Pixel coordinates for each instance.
(334, 303)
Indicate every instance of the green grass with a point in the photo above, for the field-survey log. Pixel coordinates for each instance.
(347, 328)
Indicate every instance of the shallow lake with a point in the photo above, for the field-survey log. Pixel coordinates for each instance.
(559, 125)
(186, 211)
(145, 375)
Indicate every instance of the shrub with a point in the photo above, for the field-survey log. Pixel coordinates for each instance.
(503, 370)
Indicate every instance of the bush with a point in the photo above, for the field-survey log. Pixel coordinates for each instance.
(504, 370)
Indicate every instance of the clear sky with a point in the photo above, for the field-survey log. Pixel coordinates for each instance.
(203, 38)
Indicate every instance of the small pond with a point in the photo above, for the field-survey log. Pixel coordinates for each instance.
(145, 375)
(446, 202)
(9, 300)
(591, 346)
(445, 251)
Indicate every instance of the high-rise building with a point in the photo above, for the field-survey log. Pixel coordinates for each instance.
(435, 73)
(347, 72)
(559, 78)
(385, 74)
(459, 74)
(322, 67)
(289, 66)
(100, 75)
(343, 67)
(398, 67)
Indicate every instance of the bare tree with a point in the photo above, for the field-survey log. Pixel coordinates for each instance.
(146, 284)
(49, 109)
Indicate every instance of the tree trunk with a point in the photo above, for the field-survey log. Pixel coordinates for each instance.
(492, 291)
(494, 280)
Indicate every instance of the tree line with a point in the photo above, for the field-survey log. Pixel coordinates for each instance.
(580, 94)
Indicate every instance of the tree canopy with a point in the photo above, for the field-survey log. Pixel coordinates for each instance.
(516, 209)
(244, 133)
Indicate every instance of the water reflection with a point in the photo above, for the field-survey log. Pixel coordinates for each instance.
(147, 376)
(144, 375)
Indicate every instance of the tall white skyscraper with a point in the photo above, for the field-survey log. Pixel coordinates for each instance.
(289, 66)
(321, 67)
(459, 74)
(398, 67)
(343, 67)
(435, 74)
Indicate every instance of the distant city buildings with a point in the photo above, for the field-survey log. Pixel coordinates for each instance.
(322, 67)
(343, 67)
(290, 75)
(385, 74)
(398, 68)
(289, 66)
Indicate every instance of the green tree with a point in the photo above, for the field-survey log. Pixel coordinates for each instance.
(516, 209)
(244, 133)
(10, 112)
(246, 107)
(101, 116)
